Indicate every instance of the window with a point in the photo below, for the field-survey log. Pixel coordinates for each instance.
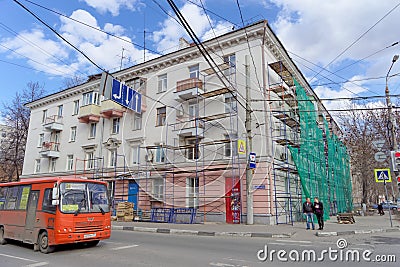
(44, 116)
(161, 116)
(193, 111)
(52, 166)
(232, 64)
(76, 108)
(192, 192)
(158, 188)
(162, 83)
(41, 140)
(3, 194)
(12, 198)
(113, 158)
(70, 162)
(60, 111)
(90, 160)
(231, 146)
(194, 71)
(72, 135)
(47, 205)
(136, 154)
(36, 168)
(115, 125)
(92, 130)
(160, 156)
(192, 151)
(137, 121)
(230, 103)
(90, 98)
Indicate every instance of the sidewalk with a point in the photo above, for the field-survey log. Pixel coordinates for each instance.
(363, 225)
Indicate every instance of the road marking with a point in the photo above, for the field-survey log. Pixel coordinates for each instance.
(219, 264)
(293, 241)
(43, 263)
(18, 258)
(124, 247)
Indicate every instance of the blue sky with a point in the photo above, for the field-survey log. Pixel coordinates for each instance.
(314, 32)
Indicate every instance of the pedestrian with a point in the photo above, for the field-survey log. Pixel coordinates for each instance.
(309, 213)
(319, 212)
(380, 209)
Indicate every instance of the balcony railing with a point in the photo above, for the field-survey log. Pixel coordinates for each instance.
(50, 150)
(53, 123)
(110, 109)
(89, 113)
(188, 88)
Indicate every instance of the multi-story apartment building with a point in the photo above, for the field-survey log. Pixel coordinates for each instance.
(189, 145)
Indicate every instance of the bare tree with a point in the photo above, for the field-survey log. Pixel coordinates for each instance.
(73, 81)
(16, 118)
(361, 129)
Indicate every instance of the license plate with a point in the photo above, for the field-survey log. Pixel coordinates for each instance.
(89, 236)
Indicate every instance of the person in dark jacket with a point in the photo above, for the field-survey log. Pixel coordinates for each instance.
(380, 209)
(319, 212)
(308, 211)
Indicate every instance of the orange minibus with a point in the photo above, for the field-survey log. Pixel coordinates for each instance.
(47, 212)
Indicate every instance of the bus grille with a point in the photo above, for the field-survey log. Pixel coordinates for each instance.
(81, 227)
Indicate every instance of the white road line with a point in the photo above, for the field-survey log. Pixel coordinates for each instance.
(219, 264)
(18, 258)
(124, 247)
(43, 263)
(293, 241)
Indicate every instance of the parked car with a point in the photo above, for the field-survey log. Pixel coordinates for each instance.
(386, 205)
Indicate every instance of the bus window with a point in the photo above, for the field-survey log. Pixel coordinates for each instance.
(99, 198)
(47, 201)
(73, 197)
(23, 197)
(12, 198)
(3, 194)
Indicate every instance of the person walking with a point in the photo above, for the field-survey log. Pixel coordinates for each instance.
(380, 209)
(319, 212)
(308, 211)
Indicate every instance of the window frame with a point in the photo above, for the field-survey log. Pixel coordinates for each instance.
(92, 130)
(72, 133)
(162, 83)
(161, 116)
(70, 162)
(36, 166)
(75, 110)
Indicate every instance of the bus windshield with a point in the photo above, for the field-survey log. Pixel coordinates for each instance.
(83, 198)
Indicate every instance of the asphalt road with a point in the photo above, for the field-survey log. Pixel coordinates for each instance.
(127, 248)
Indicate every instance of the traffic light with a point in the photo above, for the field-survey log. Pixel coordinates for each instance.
(398, 181)
(395, 160)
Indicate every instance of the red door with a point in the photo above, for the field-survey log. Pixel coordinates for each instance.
(232, 200)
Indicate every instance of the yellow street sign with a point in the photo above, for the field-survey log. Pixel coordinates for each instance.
(382, 175)
(241, 147)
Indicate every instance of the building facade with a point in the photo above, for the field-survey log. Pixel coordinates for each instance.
(189, 146)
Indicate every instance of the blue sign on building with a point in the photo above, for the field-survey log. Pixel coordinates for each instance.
(126, 96)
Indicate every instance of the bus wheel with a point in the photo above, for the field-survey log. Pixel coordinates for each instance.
(44, 243)
(3, 241)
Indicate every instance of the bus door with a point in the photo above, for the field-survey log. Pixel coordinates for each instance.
(31, 215)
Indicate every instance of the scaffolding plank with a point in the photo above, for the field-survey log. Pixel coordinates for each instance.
(221, 67)
(220, 91)
(215, 117)
(283, 72)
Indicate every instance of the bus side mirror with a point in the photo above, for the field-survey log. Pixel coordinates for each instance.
(55, 196)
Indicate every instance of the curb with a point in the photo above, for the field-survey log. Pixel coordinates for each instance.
(357, 232)
(198, 233)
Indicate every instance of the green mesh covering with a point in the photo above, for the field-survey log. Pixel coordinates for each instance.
(322, 160)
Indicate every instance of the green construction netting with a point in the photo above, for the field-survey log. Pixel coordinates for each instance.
(321, 160)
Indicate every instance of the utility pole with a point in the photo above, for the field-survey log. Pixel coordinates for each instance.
(249, 172)
(122, 57)
(392, 123)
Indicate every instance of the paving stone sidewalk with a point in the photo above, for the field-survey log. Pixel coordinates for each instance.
(363, 225)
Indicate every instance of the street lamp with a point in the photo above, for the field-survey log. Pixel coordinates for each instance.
(389, 106)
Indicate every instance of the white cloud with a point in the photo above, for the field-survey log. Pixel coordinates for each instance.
(167, 38)
(113, 6)
(320, 30)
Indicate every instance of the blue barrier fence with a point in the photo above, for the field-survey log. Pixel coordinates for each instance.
(174, 215)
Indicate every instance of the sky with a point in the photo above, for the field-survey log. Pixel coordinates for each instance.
(344, 48)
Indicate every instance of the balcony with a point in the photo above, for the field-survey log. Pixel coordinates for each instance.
(110, 109)
(53, 123)
(188, 128)
(50, 150)
(188, 88)
(89, 113)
